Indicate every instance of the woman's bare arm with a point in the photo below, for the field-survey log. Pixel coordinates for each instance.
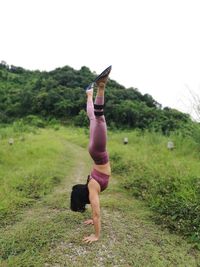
(95, 204)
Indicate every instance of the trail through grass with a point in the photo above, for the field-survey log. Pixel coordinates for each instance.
(49, 234)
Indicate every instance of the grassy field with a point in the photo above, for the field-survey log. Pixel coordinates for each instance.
(168, 181)
(38, 229)
(29, 169)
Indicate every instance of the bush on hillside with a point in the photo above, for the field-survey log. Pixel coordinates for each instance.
(60, 94)
(34, 120)
(82, 119)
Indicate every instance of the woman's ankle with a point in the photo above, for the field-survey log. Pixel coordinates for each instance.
(101, 84)
(89, 93)
(101, 88)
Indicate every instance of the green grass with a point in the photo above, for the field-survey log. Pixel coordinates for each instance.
(30, 169)
(167, 180)
(52, 236)
(47, 233)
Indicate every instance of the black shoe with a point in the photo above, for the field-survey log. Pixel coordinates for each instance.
(103, 75)
(89, 87)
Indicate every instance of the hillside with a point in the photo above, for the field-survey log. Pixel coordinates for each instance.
(59, 94)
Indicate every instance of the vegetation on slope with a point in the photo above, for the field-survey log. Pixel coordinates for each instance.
(60, 94)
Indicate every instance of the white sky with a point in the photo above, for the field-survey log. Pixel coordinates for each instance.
(153, 45)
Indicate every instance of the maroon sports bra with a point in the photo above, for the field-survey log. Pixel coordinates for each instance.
(100, 177)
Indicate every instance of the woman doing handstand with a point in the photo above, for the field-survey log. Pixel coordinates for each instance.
(99, 177)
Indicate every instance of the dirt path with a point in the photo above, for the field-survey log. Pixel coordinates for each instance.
(49, 234)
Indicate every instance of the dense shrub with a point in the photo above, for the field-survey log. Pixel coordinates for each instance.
(34, 120)
(82, 119)
(60, 94)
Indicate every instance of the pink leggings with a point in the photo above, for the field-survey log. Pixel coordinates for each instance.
(98, 132)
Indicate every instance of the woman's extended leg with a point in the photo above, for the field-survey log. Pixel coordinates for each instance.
(90, 105)
(98, 129)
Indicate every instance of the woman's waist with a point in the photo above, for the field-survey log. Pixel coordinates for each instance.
(103, 168)
(100, 177)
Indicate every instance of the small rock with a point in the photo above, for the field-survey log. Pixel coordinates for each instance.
(11, 141)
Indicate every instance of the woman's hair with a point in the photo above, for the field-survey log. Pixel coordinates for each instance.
(79, 197)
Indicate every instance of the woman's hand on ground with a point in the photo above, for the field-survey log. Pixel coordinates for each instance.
(87, 222)
(90, 239)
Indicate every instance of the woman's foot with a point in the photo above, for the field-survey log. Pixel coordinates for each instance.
(102, 79)
(102, 83)
(90, 87)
